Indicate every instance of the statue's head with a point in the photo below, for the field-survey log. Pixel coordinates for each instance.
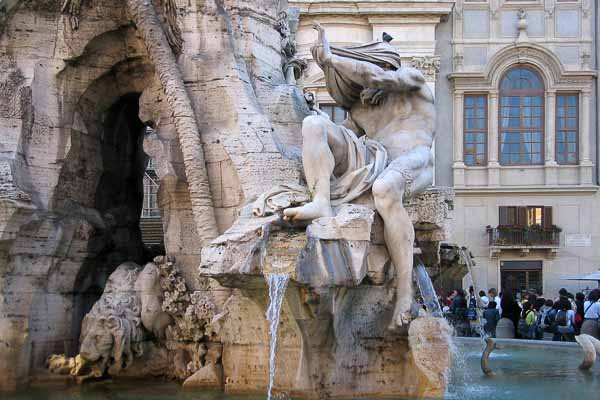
(99, 339)
(111, 341)
(309, 97)
(111, 333)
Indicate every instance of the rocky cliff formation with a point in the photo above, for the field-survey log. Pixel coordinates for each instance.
(78, 86)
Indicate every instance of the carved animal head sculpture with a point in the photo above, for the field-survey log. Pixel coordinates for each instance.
(112, 334)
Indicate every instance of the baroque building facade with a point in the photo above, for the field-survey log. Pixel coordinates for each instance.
(515, 85)
(522, 93)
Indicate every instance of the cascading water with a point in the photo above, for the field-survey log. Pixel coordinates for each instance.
(469, 261)
(427, 290)
(277, 285)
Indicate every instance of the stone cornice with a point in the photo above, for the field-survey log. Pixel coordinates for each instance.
(581, 75)
(493, 190)
(372, 7)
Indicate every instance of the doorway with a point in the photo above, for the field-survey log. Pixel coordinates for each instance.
(522, 276)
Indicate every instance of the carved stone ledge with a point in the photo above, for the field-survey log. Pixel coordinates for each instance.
(337, 251)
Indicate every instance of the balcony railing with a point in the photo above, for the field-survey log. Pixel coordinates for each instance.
(524, 236)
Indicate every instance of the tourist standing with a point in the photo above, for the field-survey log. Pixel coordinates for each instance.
(579, 313)
(493, 295)
(531, 321)
(484, 299)
(564, 322)
(458, 310)
(591, 315)
(472, 304)
(491, 315)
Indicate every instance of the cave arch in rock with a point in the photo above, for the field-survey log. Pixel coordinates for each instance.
(100, 189)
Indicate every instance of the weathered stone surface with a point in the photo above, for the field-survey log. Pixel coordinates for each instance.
(350, 223)
(339, 279)
(69, 199)
(354, 235)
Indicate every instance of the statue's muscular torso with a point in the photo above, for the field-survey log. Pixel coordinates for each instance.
(401, 122)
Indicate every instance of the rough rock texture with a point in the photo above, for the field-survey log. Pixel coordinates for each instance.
(355, 235)
(333, 339)
(72, 151)
(147, 323)
(69, 165)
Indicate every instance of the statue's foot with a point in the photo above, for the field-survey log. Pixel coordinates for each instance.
(402, 315)
(313, 210)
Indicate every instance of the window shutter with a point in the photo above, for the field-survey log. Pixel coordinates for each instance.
(522, 216)
(547, 217)
(503, 217)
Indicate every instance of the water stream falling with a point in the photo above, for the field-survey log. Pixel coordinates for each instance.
(277, 285)
(427, 290)
(466, 255)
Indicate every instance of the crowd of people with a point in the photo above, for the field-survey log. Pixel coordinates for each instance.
(531, 316)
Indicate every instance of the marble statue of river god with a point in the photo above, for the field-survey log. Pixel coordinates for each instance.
(383, 146)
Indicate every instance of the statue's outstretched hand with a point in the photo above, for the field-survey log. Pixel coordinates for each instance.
(325, 52)
(319, 28)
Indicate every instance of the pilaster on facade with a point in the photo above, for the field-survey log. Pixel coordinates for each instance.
(458, 165)
(550, 129)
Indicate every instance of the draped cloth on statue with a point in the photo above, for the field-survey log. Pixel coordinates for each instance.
(342, 88)
(367, 159)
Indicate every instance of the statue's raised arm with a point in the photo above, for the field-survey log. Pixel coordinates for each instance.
(371, 67)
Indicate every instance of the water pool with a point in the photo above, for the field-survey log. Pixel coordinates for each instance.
(523, 371)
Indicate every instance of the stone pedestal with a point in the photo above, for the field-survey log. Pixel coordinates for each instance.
(505, 329)
(334, 338)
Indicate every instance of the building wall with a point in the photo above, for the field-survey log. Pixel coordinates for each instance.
(557, 40)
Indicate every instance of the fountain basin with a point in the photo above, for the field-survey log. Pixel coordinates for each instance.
(524, 369)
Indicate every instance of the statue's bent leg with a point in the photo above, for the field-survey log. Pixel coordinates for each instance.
(388, 192)
(323, 148)
(407, 175)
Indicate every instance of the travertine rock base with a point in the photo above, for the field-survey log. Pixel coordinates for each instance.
(333, 338)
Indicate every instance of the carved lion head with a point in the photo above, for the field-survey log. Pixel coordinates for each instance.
(112, 334)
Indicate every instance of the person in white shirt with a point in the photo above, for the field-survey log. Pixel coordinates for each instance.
(591, 316)
(493, 294)
(484, 299)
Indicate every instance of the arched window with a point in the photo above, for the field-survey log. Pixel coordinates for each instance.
(521, 117)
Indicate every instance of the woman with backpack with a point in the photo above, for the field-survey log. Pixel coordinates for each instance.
(564, 322)
(528, 322)
(591, 315)
(491, 315)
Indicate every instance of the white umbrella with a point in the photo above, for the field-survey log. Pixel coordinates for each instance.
(594, 276)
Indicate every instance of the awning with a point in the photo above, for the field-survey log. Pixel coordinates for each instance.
(594, 276)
